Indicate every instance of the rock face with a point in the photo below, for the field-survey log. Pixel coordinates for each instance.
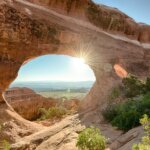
(27, 103)
(16, 94)
(30, 28)
(108, 19)
(63, 135)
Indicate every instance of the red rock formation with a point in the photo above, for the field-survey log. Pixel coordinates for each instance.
(33, 34)
(16, 94)
(27, 103)
(108, 19)
(74, 8)
(30, 30)
(105, 35)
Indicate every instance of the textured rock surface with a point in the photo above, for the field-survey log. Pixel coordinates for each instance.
(105, 35)
(29, 30)
(27, 103)
(14, 126)
(63, 135)
(108, 19)
(125, 141)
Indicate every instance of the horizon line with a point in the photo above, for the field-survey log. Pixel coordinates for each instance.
(56, 81)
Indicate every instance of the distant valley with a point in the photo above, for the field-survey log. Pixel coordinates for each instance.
(58, 89)
(40, 86)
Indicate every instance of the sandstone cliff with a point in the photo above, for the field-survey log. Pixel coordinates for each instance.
(30, 30)
(105, 35)
(108, 19)
(27, 103)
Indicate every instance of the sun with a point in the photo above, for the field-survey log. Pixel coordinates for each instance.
(78, 61)
(82, 60)
(79, 64)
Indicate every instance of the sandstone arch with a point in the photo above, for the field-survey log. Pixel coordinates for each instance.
(32, 29)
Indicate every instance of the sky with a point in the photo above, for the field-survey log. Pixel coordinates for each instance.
(65, 68)
(139, 10)
(55, 68)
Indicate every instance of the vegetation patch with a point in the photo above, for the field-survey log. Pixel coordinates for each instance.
(126, 115)
(5, 145)
(115, 93)
(145, 143)
(52, 113)
(91, 139)
(133, 86)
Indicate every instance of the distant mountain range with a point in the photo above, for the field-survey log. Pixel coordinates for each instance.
(52, 85)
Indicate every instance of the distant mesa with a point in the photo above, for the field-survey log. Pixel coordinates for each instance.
(26, 102)
(17, 94)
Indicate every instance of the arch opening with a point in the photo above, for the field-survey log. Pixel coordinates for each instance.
(50, 81)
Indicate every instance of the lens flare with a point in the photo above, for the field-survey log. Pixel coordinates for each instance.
(120, 71)
(79, 64)
(79, 60)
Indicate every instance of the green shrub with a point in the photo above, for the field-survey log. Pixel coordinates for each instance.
(114, 94)
(145, 143)
(133, 86)
(6, 145)
(110, 112)
(126, 115)
(91, 139)
(144, 105)
(126, 119)
(147, 84)
(52, 112)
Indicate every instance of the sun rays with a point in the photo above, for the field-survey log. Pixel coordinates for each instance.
(85, 53)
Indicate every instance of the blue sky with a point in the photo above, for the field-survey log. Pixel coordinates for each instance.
(139, 10)
(65, 68)
(55, 68)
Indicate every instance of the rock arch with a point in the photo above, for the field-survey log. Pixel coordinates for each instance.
(32, 29)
